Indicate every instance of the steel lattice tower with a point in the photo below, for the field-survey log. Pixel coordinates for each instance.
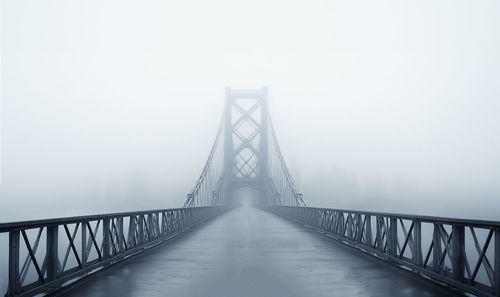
(245, 154)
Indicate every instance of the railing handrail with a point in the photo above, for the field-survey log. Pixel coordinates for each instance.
(423, 218)
(20, 225)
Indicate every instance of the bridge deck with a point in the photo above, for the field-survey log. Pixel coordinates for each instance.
(249, 252)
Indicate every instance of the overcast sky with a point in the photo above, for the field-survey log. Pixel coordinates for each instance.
(380, 105)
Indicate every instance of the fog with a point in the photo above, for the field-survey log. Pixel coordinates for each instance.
(378, 105)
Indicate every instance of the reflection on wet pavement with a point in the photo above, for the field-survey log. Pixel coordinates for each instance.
(250, 252)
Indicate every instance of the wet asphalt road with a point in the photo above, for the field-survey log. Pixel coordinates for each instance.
(250, 252)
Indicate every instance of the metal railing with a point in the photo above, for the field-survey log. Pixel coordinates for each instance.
(56, 251)
(463, 254)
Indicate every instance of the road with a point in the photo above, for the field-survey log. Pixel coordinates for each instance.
(250, 252)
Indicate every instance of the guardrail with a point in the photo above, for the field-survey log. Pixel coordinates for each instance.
(463, 254)
(76, 246)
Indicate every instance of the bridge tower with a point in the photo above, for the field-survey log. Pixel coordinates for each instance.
(245, 141)
(245, 154)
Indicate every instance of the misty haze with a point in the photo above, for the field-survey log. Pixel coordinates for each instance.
(253, 148)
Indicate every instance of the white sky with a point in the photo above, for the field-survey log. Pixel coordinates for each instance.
(383, 105)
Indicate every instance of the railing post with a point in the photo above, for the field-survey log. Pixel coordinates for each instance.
(496, 267)
(341, 224)
(322, 220)
(105, 239)
(52, 253)
(352, 228)
(368, 231)
(170, 221)
(436, 246)
(84, 244)
(13, 263)
(141, 229)
(392, 238)
(185, 221)
(183, 216)
(458, 252)
(378, 239)
(163, 224)
(311, 217)
(359, 232)
(132, 242)
(157, 225)
(348, 226)
(174, 219)
(417, 243)
(120, 237)
(149, 223)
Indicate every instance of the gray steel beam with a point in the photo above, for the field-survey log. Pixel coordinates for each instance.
(458, 252)
(496, 265)
(14, 284)
(417, 243)
(52, 252)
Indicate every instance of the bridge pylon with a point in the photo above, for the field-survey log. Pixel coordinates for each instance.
(245, 141)
(245, 154)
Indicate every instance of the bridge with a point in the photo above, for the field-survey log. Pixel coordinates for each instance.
(213, 246)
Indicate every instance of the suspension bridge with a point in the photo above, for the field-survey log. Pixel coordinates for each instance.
(280, 247)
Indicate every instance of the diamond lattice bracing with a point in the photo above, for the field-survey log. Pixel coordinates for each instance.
(246, 119)
(246, 130)
(246, 164)
(252, 113)
(246, 103)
